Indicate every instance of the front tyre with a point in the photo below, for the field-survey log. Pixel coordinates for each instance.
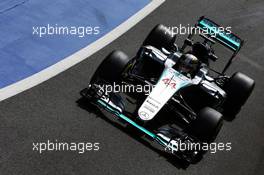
(206, 126)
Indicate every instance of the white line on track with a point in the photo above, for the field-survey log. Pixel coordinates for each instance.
(79, 56)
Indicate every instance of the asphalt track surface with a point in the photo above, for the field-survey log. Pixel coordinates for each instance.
(49, 111)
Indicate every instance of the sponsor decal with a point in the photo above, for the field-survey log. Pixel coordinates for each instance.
(143, 115)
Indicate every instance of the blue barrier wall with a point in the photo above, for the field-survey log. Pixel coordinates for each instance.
(23, 52)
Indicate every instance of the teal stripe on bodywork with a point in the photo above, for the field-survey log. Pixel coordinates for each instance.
(118, 114)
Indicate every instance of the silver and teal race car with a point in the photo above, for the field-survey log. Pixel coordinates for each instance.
(186, 99)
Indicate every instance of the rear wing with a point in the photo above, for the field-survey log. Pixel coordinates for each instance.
(220, 34)
(213, 32)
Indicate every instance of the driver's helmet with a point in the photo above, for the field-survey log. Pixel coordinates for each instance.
(188, 63)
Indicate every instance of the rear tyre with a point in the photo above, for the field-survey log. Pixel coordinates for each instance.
(160, 37)
(206, 126)
(238, 89)
(111, 68)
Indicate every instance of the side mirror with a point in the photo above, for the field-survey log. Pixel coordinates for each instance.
(213, 57)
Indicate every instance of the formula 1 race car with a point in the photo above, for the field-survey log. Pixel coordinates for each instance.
(187, 100)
